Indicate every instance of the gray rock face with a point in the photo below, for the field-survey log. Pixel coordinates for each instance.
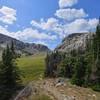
(21, 47)
(73, 42)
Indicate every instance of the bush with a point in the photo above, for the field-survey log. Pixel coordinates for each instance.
(96, 87)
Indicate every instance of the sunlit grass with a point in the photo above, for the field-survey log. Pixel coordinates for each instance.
(31, 67)
(40, 97)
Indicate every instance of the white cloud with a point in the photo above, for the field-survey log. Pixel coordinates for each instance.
(35, 34)
(51, 23)
(48, 31)
(73, 19)
(35, 23)
(6, 26)
(61, 30)
(70, 14)
(7, 15)
(27, 34)
(80, 25)
(67, 3)
(41, 42)
(93, 23)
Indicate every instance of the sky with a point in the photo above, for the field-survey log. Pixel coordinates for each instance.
(47, 21)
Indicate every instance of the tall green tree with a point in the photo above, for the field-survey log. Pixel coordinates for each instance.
(66, 66)
(52, 60)
(13, 50)
(79, 72)
(9, 75)
(96, 56)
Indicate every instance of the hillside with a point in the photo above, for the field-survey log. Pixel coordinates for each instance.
(49, 89)
(21, 47)
(74, 41)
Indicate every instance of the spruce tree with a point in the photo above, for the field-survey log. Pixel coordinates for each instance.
(79, 72)
(65, 67)
(47, 69)
(52, 61)
(9, 75)
(13, 50)
(96, 52)
(92, 56)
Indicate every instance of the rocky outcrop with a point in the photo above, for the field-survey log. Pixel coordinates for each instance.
(73, 42)
(62, 92)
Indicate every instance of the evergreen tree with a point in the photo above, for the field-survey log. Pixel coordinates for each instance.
(47, 64)
(66, 67)
(96, 53)
(52, 60)
(13, 50)
(98, 50)
(89, 63)
(9, 75)
(79, 73)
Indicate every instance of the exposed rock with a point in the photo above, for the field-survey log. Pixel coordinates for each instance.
(74, 41)
(24, 93)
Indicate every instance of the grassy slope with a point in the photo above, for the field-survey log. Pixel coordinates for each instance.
(39, 97)
(32, 67)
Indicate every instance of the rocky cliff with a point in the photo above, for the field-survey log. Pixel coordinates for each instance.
(73, 42)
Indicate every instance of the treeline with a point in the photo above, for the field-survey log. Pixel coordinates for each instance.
(10, 80)
(82, 67)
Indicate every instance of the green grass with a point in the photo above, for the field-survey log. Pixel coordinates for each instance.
(31, 67)
(40, 97)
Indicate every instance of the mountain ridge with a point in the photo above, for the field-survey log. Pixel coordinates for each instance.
(22, 47)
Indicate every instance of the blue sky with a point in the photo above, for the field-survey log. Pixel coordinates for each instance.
(47, 21)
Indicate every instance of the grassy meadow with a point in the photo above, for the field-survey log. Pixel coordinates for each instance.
(31, 67)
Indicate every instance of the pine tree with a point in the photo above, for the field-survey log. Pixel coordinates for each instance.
(52, 60)
(66, 67)
(96, 52)
(9, 75)
(47, 69)
(79, 73)
(98, 47)
(13, 50)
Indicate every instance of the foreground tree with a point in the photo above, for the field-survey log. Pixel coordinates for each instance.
(9, 75)
(96, 55)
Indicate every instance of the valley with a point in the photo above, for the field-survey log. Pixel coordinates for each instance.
(31, 67)
(49, 50)
(40, 88)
